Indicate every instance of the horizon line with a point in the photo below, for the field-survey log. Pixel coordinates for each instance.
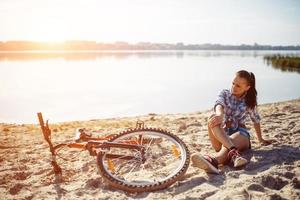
(146, 42)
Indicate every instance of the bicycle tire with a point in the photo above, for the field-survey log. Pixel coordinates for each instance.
(162, 138)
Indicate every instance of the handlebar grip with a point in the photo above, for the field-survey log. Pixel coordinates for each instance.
(41, 120)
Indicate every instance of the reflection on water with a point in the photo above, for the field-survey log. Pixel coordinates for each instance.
(93, 55)
(73, 56)
(86, 85)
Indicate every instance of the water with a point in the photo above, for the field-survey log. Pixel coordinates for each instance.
(93, 85)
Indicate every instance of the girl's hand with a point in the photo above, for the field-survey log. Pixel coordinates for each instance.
(215, 120)
(267, 142)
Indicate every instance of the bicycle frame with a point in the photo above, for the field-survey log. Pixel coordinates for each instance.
(91, 144)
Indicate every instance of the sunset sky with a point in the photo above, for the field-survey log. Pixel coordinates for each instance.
(273, 22)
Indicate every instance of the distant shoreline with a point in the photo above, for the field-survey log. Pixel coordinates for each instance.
(93, 45)
(126, 50)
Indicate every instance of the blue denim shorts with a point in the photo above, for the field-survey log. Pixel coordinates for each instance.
(242, 131)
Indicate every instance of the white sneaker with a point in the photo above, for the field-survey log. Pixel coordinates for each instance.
(207, 163)
(236, 158)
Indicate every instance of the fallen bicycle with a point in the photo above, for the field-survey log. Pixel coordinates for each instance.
(136, 160)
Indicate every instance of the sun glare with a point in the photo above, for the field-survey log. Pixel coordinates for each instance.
(48, 33)
(193, 22)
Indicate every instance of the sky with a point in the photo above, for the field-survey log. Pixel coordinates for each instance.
(269, 22)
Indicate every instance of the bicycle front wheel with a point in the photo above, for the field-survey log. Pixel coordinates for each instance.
(164, 161)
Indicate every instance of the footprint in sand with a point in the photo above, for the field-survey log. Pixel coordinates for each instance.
(94, 183)
(296, 183)
(256, 187)
(16, 189)
(276, 197)
(273, 182)
(21, 175)
(289, 175)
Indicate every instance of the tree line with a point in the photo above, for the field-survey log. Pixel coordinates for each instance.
(93, 45)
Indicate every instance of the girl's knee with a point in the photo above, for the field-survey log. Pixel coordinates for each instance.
(217, 147)
(210, 118)
(240, 141)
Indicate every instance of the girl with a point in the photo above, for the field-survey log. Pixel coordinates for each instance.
(226, 127)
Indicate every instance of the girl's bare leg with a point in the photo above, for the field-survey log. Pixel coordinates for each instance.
(214, 141)
(239, 141)
(222, 137)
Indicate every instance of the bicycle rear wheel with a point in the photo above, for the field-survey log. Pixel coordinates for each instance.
(165, 160)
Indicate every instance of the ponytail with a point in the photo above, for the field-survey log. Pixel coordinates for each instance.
(251, 95)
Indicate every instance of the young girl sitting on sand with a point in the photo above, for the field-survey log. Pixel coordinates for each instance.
(226, 127)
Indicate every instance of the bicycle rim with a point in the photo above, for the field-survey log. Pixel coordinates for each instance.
(166, 159)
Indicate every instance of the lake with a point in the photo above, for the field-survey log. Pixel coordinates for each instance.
(69, 86)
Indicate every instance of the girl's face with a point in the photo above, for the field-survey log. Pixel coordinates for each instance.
(239, 86)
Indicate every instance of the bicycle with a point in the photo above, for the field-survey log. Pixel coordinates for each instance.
(136, 160)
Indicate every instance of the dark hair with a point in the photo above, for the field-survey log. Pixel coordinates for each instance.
(251, 96)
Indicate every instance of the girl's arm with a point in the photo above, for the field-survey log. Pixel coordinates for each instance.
(218, 118)
(259, 136)
(219, 110)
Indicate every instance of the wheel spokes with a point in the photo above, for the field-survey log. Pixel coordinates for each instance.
(163, 158)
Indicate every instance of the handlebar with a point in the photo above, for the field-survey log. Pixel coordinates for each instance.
(46, 132)
(47, 135)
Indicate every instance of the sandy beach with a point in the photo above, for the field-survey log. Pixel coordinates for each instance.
(273, 171)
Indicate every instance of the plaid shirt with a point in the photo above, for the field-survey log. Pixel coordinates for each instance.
(236, 111)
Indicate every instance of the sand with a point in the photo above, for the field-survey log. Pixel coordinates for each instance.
(273, 171)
